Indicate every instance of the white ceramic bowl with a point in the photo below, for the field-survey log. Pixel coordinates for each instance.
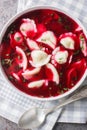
(4, 75)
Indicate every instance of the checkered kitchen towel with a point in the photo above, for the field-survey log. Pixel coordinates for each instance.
(12, 104)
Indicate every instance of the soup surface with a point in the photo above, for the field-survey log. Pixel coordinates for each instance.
(44, 53)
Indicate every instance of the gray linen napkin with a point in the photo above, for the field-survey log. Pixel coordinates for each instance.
(13, 104)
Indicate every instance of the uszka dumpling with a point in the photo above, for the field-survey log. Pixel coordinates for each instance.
(28, 27)
(27, 74)
(83, 45)
(53, 75)
(23, 62)
(32, 44)
(39, 58)
(48, 38)
(36, 84)
(69, 40)
(60, 55)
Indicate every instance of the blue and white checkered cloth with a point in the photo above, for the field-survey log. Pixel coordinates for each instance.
(13, 104)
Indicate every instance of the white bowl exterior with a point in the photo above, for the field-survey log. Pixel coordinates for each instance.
(3, 73)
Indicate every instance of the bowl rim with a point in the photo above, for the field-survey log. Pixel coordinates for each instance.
(10, 21)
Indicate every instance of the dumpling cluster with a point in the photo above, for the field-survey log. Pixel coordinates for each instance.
(46, 52)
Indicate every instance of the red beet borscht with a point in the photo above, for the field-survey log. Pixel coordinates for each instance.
(44, 53)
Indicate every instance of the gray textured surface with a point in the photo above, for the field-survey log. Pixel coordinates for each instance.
(7, 10)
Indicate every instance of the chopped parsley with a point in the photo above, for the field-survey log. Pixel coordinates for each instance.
(17, 39)
(52, 14)
(59, 20)
(10, 77)
(43, 40)
(77, 52)
(6, 62)
(65, 89)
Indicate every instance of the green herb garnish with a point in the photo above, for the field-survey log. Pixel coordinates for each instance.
(17, 68)
(23, 29)
(77, 52)
(61, 73)
(17, 39)
(28, 53)
(3, 62)
(82, 46)
(62, 91)
(59, 20)
(81, 37)
(82, 42)
(24, 80)
(6, 62)
(11, 32)
(10, 77)
(65, 89)
(52, 14)
(67, 27)
(43, 40)
(60, 85)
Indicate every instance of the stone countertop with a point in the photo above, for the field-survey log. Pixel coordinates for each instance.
(7, 10)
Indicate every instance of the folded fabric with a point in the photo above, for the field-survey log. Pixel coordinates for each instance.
(13, 104)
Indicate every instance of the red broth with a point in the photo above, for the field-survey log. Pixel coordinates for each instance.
(44, 53)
